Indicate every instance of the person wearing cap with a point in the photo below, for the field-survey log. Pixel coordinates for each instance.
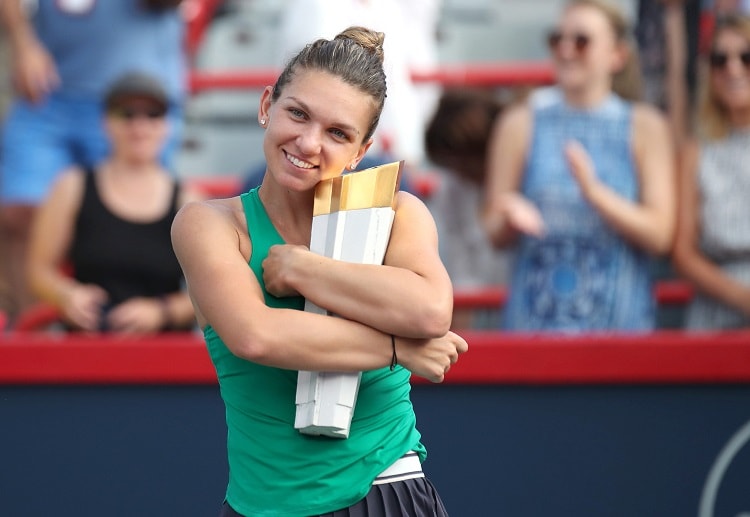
(100, 249)
(64, 55)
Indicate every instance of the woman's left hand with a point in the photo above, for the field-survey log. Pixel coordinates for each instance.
(581, 166)
(137, 315)
(282, 265)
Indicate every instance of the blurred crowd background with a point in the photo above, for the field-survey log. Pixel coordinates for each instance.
(485, 65)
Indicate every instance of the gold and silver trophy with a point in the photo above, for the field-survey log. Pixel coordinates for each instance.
(352, 219)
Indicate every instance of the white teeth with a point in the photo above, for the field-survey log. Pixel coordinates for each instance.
(299, 163)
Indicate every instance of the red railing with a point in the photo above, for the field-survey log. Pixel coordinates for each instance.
(671, 292)
(489, 298)
(661, 357)
(495, 74)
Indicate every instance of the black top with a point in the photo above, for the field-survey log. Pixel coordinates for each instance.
(127, 259)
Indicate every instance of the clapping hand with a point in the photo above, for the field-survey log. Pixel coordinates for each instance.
(581, 166)
(522, 215)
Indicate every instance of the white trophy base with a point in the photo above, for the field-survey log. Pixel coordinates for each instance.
(325, 400)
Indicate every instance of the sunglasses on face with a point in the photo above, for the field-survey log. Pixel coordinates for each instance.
(720, 60)
(579, 40)
(128, 113)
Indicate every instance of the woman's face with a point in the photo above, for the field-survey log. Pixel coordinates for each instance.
(137, 128)
(730, 70)
(315, 129)
(584, 48)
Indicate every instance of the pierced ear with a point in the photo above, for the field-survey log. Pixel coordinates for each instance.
(360, 154)
(264, 106)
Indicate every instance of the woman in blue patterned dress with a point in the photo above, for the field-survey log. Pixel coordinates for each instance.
(581, 182)
(712, 249)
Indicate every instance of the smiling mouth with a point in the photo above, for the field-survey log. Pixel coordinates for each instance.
(297, 162)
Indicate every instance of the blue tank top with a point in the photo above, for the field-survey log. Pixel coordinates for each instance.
(581, 276)
(94, 42)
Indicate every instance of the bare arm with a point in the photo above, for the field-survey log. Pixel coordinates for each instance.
(50, 240)
(688, 259)
(15, 22)
(648, 223)
(34, 70)
(676, 51)
(410, 295)
(213, 254)
(505, 211)
(177, 307)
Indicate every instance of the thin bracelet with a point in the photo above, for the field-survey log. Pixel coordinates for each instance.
(394, 358)
(165, 313)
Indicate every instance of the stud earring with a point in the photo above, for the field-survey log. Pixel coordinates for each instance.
(262, 122)
(352, 166)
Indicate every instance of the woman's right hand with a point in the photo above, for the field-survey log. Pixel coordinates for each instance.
(521, 214)
(82, 305)
(35, 73)
(430, 358)
(510, 214)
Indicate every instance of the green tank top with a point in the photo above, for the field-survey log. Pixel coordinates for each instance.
(274, 470)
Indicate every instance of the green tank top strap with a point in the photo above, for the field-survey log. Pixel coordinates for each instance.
(263, 235)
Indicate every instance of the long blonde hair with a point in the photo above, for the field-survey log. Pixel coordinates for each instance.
(626, 82)
(713, 122)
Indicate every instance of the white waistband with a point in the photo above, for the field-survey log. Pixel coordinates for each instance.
(407, 466)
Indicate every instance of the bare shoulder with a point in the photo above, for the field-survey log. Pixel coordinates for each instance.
(412, 215)
(517, 117)
(67, 190)
(510, 135)
(198, 218)
(70, 180)
(650, 130)
(648, 118)
(409, 202)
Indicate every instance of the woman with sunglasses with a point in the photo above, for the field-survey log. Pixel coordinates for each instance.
(100, 248)
(712, 248)
(582, 185)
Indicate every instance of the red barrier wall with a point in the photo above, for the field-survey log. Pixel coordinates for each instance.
(493, 357)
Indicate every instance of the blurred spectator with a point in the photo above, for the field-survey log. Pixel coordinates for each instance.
(583, 185)
(717, 9)
(5, 80)
(456, 141)
(422, 19)
(713, 240)
(111, 226)
(667, 33)
(5, 95)
(725, 7)
(64, 54)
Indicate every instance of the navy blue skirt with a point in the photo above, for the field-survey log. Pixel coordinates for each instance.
(410, 498)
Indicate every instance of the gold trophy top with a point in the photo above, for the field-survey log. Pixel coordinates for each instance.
(375, 187)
